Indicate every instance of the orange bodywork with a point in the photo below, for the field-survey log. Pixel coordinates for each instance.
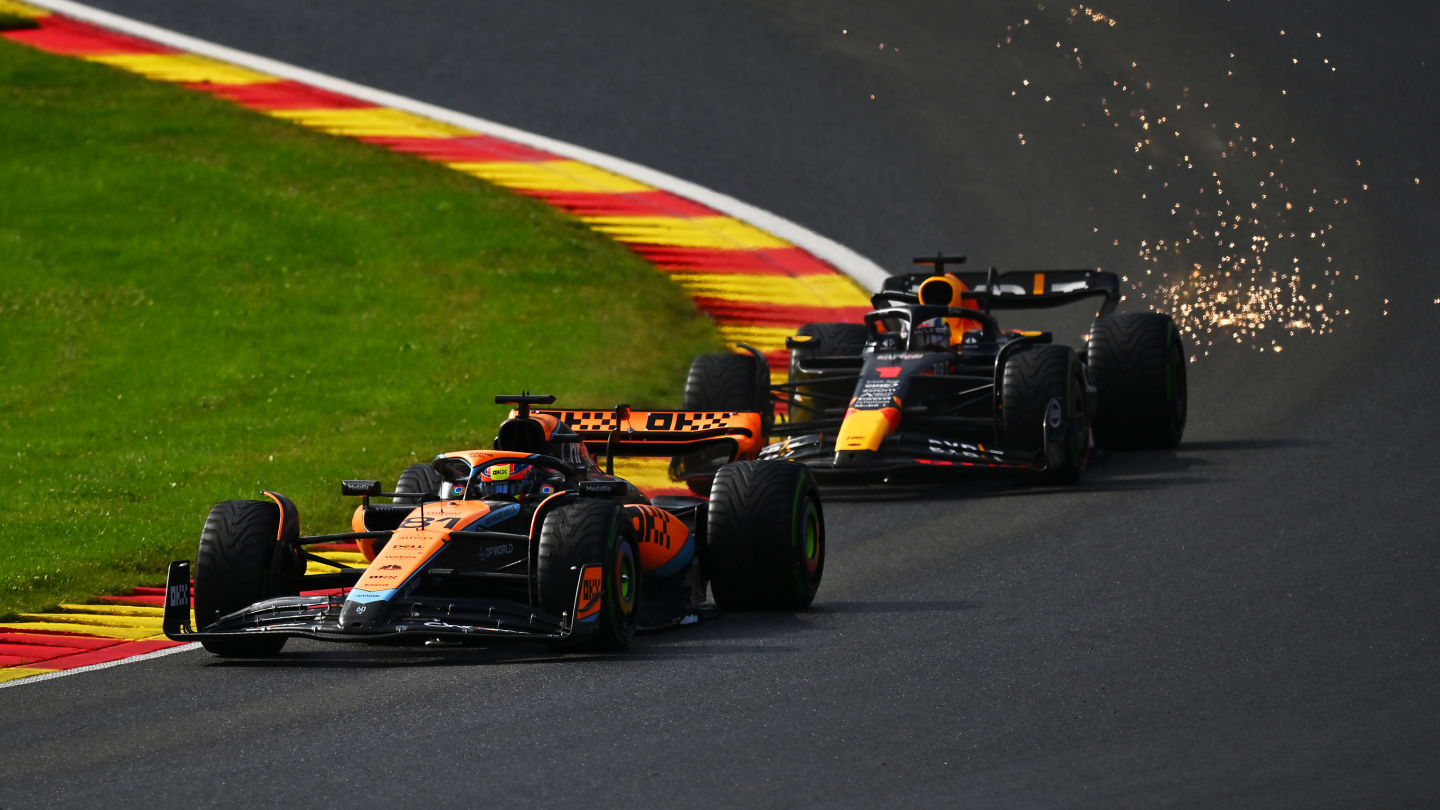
(666, 544)
(592, 587)
(419, 537)
(948, 291)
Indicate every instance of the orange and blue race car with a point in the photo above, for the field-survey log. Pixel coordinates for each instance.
(930, 382)
(529, 540)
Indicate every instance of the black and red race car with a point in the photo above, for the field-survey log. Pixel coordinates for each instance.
(931, 382)
(530, 540)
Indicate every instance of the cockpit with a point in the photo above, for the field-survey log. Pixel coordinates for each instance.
(510, 478)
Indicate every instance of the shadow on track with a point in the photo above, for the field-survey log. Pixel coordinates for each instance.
(916, 606)
(657, 645)
(1125, 471)
(380, 658)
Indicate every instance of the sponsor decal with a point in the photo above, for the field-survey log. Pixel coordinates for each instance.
(357, 595)
(591, 588)
(350, 487)
(876, 393)
(496, 551)
(391, 567)
(888, 372)
(360, 609)
(666, 543)
(177, 595)
(688, 421)
(497, 515)
(952, 448)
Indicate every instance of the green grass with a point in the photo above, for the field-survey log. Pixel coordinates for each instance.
(197, 301)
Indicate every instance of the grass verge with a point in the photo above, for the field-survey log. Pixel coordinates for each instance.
(197, 301)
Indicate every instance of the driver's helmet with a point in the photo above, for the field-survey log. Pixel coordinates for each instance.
(933, 333)
(509, 481)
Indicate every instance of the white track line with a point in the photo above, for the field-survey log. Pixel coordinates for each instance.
(134, 659)
(865, 272)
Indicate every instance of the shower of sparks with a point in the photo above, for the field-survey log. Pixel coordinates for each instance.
(1248, 258)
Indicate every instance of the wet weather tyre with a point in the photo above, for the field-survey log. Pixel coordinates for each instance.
(1044, 391)
(591, 532)
(236, 566)
(826, 340)
(1138, 360)
(833, 339)
(419, 478)
(765, 536)
(728, 382)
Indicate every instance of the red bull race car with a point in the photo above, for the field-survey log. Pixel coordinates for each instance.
(930, 382)
(529, 540)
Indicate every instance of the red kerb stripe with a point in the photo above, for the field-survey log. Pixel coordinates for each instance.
(59, 35)
(281, 96)
(748, 312)
(774, 261)
(469, 149)
(636, 204)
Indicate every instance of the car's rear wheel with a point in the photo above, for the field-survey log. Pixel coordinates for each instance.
(728, 382)
(825, 340)
(765, 536)
(1044, 394)
(239, 562)
(591, 532)
(421, 479)
(1139, 364)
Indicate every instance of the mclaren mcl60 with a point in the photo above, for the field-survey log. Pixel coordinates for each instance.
(530, 540)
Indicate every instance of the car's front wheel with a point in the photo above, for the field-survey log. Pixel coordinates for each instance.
(591, 533)
(239, 563)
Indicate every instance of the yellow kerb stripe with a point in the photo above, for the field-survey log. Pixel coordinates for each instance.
(181, 67)
(764, 338)
(551, 175)
(124, 633)
(646, 473)
(372, 122)
(22, 10)
(88, 620)
(115, 610)
(354, 559)
(829, 290)
(16, 673)
(698, 232)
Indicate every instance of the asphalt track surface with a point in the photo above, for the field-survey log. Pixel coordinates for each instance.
(1249, 620)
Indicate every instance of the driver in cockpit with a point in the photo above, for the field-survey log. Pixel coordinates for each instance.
(514, 481)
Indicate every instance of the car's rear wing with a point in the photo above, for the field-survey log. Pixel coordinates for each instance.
(621, 431)
(1016, 289)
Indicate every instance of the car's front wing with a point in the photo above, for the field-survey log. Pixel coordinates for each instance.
(419, 617)
(906, 451)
